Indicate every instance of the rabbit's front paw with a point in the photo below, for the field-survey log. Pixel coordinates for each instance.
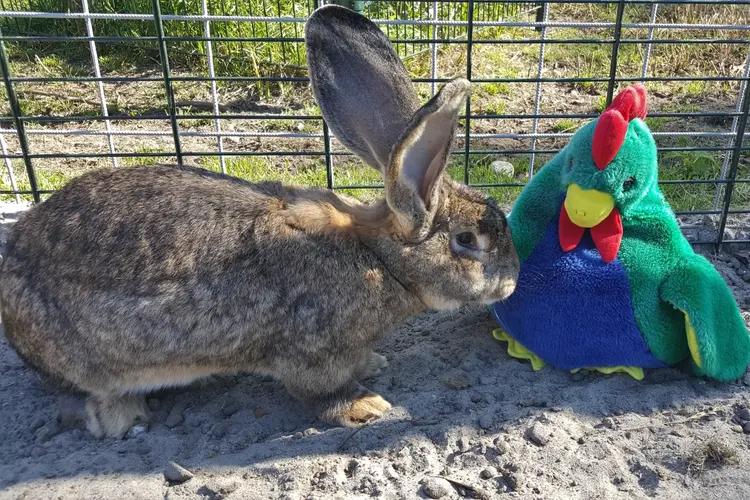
(371, 366)
(368, 406)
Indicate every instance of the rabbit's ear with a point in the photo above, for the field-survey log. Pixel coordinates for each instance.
(421, 155)
(359, 82)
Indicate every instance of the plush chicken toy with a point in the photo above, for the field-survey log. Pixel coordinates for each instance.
(607, 281)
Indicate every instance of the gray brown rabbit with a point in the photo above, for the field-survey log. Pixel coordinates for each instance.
(129, 280)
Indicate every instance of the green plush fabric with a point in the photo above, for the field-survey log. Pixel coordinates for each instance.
(667, 278)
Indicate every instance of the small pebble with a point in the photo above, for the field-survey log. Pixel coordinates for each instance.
(738, 429)
(485, 421)
(38, 452)
(462, 444)
(136, 430)
(175, 473)
(436, 487)
(608, 423)
(36, 424)
(476, 397)
(746, 428)
(488, 473)
(745, 414)
(504, 168)
(457, 382)
(311, 431)
(175, 416)
(220, 429)
(538, 435)
(577, 377)
(298, 435)
(501, 447)
(46, 432)
(230, 409)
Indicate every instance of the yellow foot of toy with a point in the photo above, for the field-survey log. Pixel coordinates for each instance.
(634, 371)
(518, 351)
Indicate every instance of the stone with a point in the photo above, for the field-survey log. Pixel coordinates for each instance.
(220, 429)
(136, 430)
(175, 473)
(37, 424)
(504, 168)
(46, 432)
(485, 421)
(436, 487)
(488, 473)
(745, 414)
(230, 409)
(462, 444)
(577, 377)
(501, 447)
(175, 416)
(538, 435)
(746, 428)
(608, 423)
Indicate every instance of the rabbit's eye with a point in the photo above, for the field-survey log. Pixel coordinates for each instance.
(628, 184)
(466, 240)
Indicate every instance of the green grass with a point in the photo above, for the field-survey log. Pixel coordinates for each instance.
(489, 61)
(292, 170)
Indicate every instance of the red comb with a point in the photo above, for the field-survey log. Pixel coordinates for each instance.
(613, 124)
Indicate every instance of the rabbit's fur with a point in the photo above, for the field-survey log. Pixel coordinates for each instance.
(133, 279)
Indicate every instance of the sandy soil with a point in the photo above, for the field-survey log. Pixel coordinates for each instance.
(468, 421)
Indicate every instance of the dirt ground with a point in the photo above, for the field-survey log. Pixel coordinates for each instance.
(468, 421)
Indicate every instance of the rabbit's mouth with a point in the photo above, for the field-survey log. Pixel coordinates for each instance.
(503, 291)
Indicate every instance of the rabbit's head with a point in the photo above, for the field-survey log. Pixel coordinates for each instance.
(453, 242)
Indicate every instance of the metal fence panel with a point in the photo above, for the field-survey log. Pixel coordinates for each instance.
(223, 83)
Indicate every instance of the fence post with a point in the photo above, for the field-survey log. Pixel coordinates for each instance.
(467, 121)
(355, 5)
(540, 14)
(167, 80)
(15, 109)
(615, 51)
(736, 153)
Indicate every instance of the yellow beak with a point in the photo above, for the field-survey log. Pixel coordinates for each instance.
(587, 208)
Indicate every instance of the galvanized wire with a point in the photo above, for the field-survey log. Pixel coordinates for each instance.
(415, 29)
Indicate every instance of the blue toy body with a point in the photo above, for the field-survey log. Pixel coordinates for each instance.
(580, 303)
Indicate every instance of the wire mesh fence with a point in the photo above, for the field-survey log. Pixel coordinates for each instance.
(223, 84)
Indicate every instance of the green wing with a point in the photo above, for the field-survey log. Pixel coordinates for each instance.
(715, 331)
(537, 205)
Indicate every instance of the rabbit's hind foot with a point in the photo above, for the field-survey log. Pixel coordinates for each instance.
(371, 366)
(112, 415)
(360, 408)
(368, 406)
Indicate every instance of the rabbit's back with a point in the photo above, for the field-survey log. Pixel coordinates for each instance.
(136, 271)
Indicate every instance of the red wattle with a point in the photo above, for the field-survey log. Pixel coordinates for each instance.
(607, 236)
(570, 234)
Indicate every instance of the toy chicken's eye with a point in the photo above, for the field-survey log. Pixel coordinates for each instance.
(570, 165)
(628, 184)
(466, 240)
